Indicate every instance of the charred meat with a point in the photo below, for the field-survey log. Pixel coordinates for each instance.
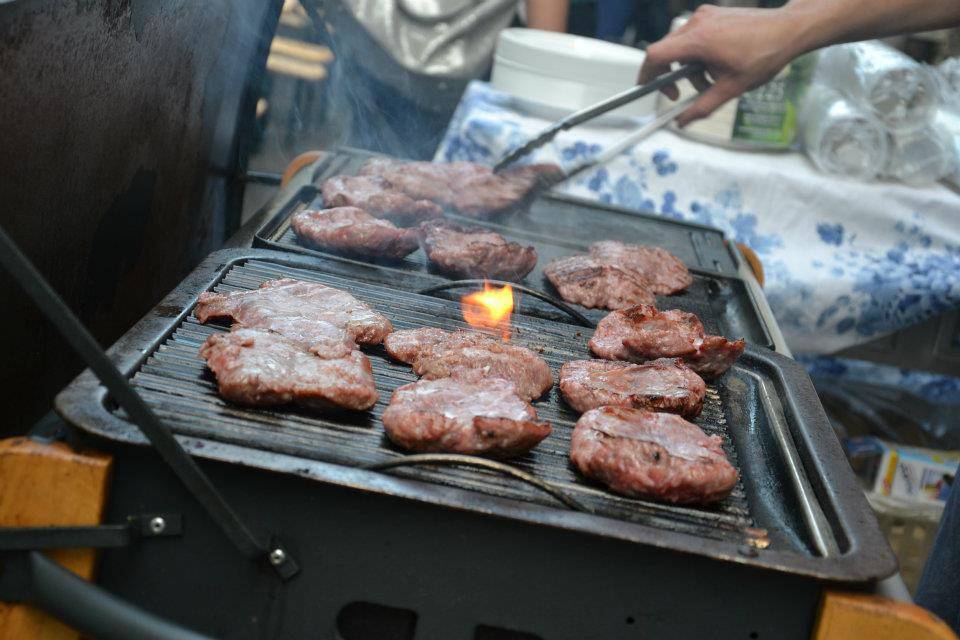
(353, 232)
(642, 333)
(379, 198)
(485, 417)
(255, 367)
(471, 356)
(598, 284)
(473, 252)
(464, 187)
(664, 271)
(617, 275)
(666, 384)
(644, 454)
(325, 320)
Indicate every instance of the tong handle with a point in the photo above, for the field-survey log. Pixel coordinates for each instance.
(591, 112)
(631, 94)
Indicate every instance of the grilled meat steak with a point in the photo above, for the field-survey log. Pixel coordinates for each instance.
(663, 270)
(472, 252)
(644, 454)
(642, 333)
(471, 356)
(464, 187)
(484, 417)
(379, 198)
(326, 320)
(259, 368)
(407, 344)
(353, 232)
(666, 384)
(598, 284)
(617, 275)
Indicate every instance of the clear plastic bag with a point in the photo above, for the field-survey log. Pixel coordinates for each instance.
(841, 138)
(922, 156)
(899, 91)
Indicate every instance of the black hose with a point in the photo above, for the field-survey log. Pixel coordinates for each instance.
(91, 610)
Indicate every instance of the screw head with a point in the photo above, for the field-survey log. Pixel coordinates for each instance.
(157, 525)
(277, 557)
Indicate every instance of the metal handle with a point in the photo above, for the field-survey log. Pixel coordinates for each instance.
(591, 112)
(576, 315)
(646, 130)
(631, 94)
(483, 463)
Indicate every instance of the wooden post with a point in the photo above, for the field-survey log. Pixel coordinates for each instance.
(50, 485)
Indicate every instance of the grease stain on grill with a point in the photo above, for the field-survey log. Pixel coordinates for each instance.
(174, 381)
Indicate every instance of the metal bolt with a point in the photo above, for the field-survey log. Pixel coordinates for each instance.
(157, 525)
(277, 557)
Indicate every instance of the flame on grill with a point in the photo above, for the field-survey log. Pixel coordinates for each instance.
(489, 309)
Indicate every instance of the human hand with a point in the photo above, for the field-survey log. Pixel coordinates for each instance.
(740, 48)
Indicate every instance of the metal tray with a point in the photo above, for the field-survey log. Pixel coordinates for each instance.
(723, 302)
(797, 493)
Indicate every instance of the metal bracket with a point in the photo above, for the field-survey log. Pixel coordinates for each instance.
(154, 525)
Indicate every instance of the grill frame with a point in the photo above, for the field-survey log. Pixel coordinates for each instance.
(862, 554)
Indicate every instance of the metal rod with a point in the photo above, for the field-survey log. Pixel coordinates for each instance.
(646, 130)
(32, 538)
(810, 509)
(73, 331)
(579, 317)
(591, 112)
(261, 177)
(483, 463)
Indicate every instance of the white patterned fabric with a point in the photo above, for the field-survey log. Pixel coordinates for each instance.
(845, 261)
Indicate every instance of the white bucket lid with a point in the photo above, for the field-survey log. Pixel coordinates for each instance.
(563, 55)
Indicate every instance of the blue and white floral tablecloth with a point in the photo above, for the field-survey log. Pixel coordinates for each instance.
(845, 261)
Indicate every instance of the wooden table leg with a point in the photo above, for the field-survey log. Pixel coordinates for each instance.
(857, 616)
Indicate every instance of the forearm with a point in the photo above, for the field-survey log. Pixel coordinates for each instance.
(550, 15)
(819, 23)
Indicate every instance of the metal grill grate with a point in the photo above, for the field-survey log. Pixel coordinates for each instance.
(174, 382)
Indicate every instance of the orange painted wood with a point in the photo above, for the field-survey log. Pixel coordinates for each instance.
(49, 485)
(753, 260)
(298, 163)
(856, 616)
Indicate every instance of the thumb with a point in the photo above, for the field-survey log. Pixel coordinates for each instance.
(708, 102)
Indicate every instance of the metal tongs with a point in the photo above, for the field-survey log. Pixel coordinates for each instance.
(589, 113)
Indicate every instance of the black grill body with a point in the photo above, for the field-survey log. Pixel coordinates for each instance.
(461, 547)
(429, 573)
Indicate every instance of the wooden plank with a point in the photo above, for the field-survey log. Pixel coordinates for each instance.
(857, 616)
(50, 484)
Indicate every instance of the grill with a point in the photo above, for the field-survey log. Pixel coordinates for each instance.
(795, 509)
(559, 226)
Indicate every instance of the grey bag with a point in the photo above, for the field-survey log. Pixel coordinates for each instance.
(437, 39)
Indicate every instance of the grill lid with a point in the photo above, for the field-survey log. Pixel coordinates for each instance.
(796, 509)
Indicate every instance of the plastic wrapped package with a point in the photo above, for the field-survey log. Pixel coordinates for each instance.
(901, 92)
(949, 74)
(922, 156)
(946, 123)
(841, 138)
